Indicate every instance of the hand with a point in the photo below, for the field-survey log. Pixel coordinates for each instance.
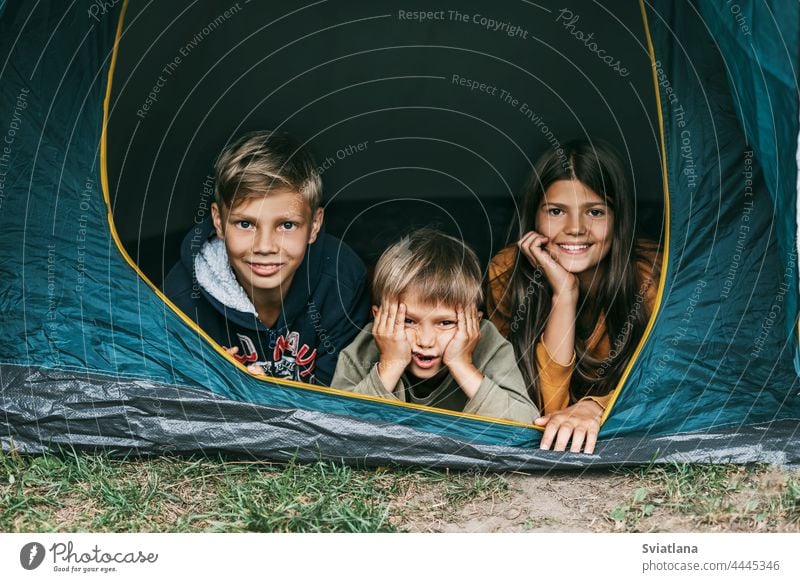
(389, 331)
(457, 354)
(533, 247)
(254, 369)
(460, 348)
(580, 422)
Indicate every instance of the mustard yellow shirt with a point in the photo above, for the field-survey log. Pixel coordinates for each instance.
(554, 378)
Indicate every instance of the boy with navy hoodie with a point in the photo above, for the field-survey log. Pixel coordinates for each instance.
(261, 278)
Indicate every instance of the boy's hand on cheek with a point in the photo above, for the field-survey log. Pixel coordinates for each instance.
(389, 331)
(458, 353)
(468, 333)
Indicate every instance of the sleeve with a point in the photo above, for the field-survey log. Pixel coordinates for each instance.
(554, 379)
(345, 317)
(359, 377)
(503, 393)
(601, 400)
(497, 299)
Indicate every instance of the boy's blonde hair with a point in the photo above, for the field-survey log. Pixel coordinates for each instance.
(435, 267)
(264, 161)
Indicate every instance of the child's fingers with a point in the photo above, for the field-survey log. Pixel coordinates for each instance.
(391, 315)
(578, 436)
(542, 255)
(532, 246)
(473, 321)
(550, 432)
(524, 246)
(256, 370)
(400, 320)
(542, 420)
(532, 239)
(528, 237)
(232, 351)
(564, 433)
(591, 441)
(380, 317)
(462, 325)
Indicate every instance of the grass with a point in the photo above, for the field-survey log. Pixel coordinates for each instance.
(712, 498)
(75, 492)
(79, 492)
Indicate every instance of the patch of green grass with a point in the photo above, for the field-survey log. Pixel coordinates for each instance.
(475, 486)
(82, 492)
(721, 497)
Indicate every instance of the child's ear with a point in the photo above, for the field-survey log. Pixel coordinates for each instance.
(216, 216)
(374, 311)
(316, 224)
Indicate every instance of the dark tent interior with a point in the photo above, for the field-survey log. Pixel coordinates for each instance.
(418, 114)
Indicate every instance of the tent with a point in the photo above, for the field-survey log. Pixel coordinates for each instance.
(94, 357)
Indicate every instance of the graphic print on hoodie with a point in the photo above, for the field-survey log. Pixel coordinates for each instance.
(325, 307)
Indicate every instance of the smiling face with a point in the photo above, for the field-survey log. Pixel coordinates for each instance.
(579, 224)
(266, 239)
(429, 328)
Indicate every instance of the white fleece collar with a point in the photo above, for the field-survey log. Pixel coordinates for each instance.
(214, 274)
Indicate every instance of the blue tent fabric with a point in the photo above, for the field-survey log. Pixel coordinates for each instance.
(721, 352)
(50, 409)
(761, 45)
(93, 357)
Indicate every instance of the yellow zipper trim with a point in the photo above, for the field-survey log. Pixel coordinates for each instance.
(665, 252)
(191, 323)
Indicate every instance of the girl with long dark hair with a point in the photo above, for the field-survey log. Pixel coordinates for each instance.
(574, 294)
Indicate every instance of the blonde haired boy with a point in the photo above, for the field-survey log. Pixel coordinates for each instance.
(261, 278)
(428, 344)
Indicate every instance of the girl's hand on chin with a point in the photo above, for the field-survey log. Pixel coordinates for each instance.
(533, 246)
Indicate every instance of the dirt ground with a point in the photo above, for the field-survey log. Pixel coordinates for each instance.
(552, 503)
(607, 502)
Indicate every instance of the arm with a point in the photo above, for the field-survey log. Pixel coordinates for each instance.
(458, 353)
(502, 392)
(556, 358)
(559, 332)
(373, 365)
(360, 377)
(389, 331)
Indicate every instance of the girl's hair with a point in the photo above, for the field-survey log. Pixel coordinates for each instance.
(614, 291)
(437, 268)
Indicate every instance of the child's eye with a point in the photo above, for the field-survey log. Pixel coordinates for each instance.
(555, 211)
(244, 224)
(447, 323)
(409, 322)
(289, 225)
(597, 212)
